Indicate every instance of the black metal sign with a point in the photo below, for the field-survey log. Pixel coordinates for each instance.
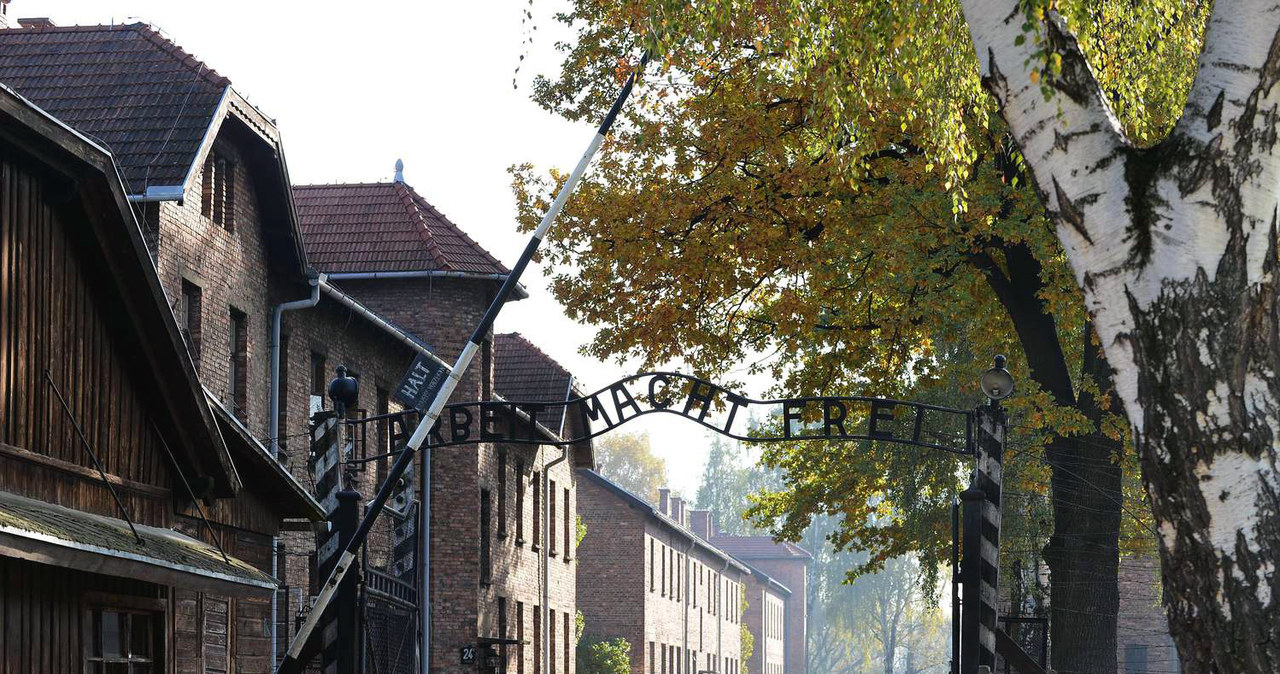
(715, 407)
(421, 382)
(468, 654)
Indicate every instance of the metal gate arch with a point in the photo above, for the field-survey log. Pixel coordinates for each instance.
(979, 432)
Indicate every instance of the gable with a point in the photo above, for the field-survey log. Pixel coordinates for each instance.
(81, 301)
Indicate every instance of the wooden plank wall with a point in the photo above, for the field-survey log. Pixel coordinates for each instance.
(56, 314)
(41, 615)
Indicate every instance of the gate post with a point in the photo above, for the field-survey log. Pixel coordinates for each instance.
(337, 641)
(983, 498)
(343, 648)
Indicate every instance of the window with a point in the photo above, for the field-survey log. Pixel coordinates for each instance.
(317, 381)
(217, 196)
(551, 637)
(568, 528)
(502, 492)
(124, 641)
(653, 659)
(519, 502)
(664, 659)
(551, 518)
(502, 630)
(537, 639)
(382, 406)
(1135, 659)
(662, 551)
(679, 577)
(191, 304)
(536, 483)
(485, 523)
(652, 562)
(568, 637)
(519, 637)
(238, 384)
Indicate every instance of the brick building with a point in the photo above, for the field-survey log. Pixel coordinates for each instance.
(206, 175)
(111, 456)
(1143, 642)
(385, 245)
(787, 565)
(647, 577)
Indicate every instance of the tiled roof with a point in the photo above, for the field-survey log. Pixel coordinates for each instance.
(759, 547)
(592, 477)
(383, 227)
(143, 97)
(523, 373)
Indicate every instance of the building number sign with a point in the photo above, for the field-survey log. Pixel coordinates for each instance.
(468, 655)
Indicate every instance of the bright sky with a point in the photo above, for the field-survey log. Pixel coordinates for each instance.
(356, 85)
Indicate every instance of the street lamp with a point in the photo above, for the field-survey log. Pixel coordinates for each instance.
(997, 383)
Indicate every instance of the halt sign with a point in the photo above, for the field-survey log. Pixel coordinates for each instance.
(421, 382)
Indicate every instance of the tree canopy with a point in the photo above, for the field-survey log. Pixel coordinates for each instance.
(627, 458)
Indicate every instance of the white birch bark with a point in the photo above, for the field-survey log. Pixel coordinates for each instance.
(1175, 249)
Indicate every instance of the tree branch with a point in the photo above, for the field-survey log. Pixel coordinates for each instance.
(1073, 146)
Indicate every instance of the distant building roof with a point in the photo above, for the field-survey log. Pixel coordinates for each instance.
(767, 580)
(372, 227)
(759, 547)
(523, 373)
(592, 477)
(132, 89)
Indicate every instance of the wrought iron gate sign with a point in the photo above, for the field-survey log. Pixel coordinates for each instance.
(717, 408)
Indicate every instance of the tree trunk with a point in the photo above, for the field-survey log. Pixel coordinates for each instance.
(1083, 553)
(1175, 249)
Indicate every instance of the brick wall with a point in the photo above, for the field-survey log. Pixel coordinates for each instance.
(794, 574)
(516, 564)
(613, 550)
(230, 269)
(1142, 628)
(661, 591)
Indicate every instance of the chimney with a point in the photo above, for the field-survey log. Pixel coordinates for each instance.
(664, 501)
(37, 22)
(703, 523)
(676, 505)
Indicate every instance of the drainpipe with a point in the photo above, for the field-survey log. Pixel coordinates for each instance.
(720, 619)
(546, 557)
(273, 418)
(685, 655)
(275, 599)
(424, 532)
(520, 292)
(546, 541)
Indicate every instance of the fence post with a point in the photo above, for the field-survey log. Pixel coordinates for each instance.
(343, 649)
(987, 479)
(970, 573)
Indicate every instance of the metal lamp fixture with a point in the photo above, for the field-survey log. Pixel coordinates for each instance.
(997, 383)
(344, 391)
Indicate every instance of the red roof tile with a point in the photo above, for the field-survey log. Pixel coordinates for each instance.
(139, 94)
(523, 373)
(759, 547)
(383, 227)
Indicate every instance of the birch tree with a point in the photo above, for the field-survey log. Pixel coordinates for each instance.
(1174, 247)
(1147, 141)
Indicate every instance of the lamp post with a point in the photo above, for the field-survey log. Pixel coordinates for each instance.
(982, 518)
